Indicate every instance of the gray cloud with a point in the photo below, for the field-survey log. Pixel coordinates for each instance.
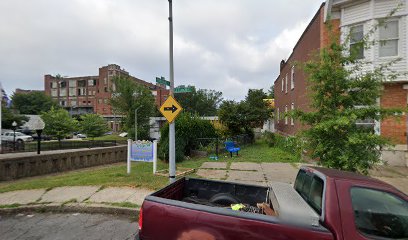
(228, 45)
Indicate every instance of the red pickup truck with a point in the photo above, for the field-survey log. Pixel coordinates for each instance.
(322, 204)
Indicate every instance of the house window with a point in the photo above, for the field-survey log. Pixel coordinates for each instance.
(54, 92)
(72, 83)
(286, 83)
(292, 108)
(292, 78)
(73, 103)
(63, 92)
(389, 39)
(82, 83)
(100, 100)
(286, 115)
(53, 84)
(283, 83)
(62, 103)
(91, 82)
(278, 116)
(63, 84)
(72, 92)
(81, 91)
(356, 41)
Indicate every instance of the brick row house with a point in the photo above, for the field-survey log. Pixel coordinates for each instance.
(356, 17)
(91, 94)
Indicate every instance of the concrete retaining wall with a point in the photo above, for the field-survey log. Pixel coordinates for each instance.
(19, 165)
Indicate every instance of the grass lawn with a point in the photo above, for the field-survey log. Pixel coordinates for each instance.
(141, 173)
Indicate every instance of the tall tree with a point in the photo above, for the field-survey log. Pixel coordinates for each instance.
(203, 102)
(256, 109)
(32, 103)
(343, 95)
(240, 117)
(93, 125)
(58, 123)
(128, 97)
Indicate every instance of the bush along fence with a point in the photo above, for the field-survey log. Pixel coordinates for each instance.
(9, 147)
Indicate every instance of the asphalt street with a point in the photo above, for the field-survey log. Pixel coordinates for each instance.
(46, 226)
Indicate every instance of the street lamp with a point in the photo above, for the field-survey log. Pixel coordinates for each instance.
(38, 126)
(14, 125)
(136, 121)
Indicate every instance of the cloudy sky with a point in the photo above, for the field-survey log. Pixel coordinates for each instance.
(226, 45)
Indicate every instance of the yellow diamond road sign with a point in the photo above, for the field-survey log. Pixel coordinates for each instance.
(170, 109)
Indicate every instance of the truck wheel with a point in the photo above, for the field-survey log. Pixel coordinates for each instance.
(224, 199)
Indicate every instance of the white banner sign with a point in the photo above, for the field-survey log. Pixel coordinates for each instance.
(142, 151)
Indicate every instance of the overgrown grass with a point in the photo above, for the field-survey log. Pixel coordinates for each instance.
(141, 173)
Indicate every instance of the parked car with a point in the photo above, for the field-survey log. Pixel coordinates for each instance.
(322, 204)
(19, 137)
(81, 135)
(124, 134)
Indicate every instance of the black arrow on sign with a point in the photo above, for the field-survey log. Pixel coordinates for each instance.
(172, 108)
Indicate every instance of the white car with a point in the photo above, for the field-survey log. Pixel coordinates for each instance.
(20, 137)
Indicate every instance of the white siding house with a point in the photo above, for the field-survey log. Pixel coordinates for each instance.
(357, 17)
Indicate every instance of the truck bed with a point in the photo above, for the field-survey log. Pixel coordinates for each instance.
(214, 193)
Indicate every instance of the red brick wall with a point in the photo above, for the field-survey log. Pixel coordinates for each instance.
(394, 96)
(307, 47)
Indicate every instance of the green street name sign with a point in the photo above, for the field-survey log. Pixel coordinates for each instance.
(162, 81)
(183, 89)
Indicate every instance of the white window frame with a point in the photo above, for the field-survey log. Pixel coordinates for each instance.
(278, 116)
(292, 108)
(286, 116)
(292, 79)
(382, 41)
(286, 83)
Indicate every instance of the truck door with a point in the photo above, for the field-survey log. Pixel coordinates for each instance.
(368, 212)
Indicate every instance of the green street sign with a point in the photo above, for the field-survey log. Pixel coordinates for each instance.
(183, 89)
(162, 81)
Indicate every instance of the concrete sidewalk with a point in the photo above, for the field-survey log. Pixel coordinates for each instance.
(76, 194)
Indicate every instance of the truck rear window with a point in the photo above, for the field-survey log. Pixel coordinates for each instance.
(310, 187)
(379, 213)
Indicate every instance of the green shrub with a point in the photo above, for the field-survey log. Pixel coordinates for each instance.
(189, 127)
(270, 138)
(291, 144)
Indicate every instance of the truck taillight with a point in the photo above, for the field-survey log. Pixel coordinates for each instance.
(140, 219)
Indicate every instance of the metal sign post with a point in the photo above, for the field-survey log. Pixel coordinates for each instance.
(172, 128)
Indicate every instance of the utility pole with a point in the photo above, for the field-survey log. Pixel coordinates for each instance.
(172, 128)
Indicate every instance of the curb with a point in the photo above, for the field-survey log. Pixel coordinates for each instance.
(132, 213)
